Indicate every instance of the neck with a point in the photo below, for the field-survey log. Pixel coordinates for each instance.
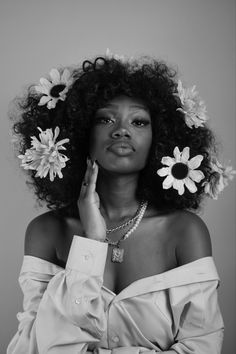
(117, 195)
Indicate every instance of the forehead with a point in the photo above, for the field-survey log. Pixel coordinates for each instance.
(125, 101)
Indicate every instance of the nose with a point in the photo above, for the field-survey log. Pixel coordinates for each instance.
(120, 132)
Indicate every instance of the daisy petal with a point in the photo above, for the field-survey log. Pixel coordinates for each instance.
(185, 154)
(56, 133)
(62, 96)
(61, 147)
(63, 141)
(196, 175)
(168, 182)
(52, 104)
(179, 186)
(44, 100)
(164, 171)
(195, 162)
(177, 154)
(51, 176)
(190, 185)
(45, 171)
(175, 184)
(55, 76)
(47, 84)
(60, 175)
(168, 161)
(65, 76)
(41, 89)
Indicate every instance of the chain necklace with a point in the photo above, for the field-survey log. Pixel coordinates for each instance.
(117, 252)
(128, 222)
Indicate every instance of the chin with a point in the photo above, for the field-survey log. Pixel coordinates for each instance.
(121, 167)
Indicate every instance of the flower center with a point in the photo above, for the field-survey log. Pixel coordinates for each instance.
(55, 90)
(179, 170)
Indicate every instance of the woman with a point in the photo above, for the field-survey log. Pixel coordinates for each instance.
(121, 263)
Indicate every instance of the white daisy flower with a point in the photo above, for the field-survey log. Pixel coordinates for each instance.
(193, 106)
(181, 171)
(133, 63)
(44, 155)
(14, 139)
(110, 55)
(219, 178)
(55, 88)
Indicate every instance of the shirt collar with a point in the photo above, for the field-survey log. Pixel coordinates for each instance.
(201, 270)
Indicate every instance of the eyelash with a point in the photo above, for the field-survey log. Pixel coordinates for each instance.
(138, 122)
(143, 122)
(102, 119)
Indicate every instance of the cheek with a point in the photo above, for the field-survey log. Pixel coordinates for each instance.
(94, 147)
(92, 143)
(95, 143)
(143, 150)
(146, 143)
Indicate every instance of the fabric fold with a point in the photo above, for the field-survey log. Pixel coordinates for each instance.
(70, 310)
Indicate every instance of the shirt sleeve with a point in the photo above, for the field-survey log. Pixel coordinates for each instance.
(197, 319)
(63, 308)
(33, 284)
(71, 314)
(125, 350)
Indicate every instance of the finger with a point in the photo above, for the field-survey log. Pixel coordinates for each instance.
(83, 190)
(89, 183)
(85, 182)
(93, 173)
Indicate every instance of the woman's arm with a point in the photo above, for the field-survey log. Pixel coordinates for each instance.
(33, 285)
(130, 350)
(196, 313)
(63, 309)
(71, 313)
(199, 320)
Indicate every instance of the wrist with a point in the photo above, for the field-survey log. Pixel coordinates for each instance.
(94, 237)
(87, 256)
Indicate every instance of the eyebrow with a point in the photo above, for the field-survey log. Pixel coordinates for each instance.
(132, 106)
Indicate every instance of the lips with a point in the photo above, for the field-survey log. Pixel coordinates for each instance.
(121, 148)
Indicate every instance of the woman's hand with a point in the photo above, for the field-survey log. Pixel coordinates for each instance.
(88, 203)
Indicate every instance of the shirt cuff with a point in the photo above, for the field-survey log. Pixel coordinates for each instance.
(87, 256)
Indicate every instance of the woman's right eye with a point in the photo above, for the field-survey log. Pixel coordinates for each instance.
(103, 120)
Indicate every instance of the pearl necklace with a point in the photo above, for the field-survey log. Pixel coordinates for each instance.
(117, 252)
(128, 222)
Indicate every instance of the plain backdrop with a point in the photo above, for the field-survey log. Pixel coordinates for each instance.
(197, 36)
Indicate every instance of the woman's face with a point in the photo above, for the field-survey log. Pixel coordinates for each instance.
(122, 135)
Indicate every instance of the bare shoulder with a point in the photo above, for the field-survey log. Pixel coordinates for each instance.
(192, 237)
(42, 234)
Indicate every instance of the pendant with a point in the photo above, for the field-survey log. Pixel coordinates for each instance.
(117, 255)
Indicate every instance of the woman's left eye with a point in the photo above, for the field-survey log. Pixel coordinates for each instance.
(141, 122)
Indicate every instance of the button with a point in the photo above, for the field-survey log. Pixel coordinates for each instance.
(115, 339)
(86, 257)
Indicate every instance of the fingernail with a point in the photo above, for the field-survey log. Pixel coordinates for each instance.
(93, 164)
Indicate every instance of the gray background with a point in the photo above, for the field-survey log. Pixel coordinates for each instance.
(197, 35)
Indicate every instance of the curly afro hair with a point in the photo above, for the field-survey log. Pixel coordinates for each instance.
(94, 84)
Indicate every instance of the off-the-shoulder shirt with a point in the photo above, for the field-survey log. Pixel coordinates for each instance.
(69, 310)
